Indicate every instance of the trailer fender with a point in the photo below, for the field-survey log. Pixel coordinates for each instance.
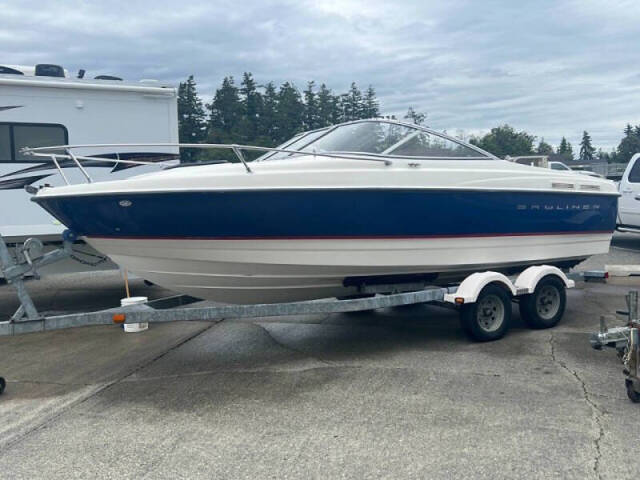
(528, 280)
(471, 287)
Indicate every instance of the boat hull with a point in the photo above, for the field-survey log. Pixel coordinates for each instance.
(285, 245)
(266, 271)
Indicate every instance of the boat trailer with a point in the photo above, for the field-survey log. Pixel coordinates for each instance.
(626, 341)
(483, 298)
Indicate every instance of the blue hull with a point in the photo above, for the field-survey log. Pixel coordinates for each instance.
(333, 213)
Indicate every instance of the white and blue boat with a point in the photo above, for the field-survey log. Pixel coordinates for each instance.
(360, 202)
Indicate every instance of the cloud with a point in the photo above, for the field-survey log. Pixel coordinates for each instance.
(553, 68)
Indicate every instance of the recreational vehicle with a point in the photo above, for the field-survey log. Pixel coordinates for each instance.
(44, 106)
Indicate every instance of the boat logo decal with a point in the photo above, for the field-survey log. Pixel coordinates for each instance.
(559, 206)
(125, 203)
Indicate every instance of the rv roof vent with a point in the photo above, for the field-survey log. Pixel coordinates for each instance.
(107, 77)
(47, 70)
(9, 71)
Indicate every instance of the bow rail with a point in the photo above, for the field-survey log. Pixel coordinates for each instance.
(56, 152)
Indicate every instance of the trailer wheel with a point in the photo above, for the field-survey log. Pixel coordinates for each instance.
(489, 317)
(633, 395)
(545, 306)
(3, 385)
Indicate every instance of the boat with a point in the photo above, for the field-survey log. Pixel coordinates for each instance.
(363, 202)
(46, 105)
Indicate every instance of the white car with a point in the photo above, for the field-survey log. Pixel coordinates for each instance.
(629, 202)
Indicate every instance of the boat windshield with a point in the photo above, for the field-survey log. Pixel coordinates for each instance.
(388, 138)
(295, 143)
(385, 138)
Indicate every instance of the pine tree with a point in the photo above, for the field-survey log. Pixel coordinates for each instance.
(586, 149)
(352, 104)
(371, 105)
(251, 102)
(311, 121)
(629, 145)
(290, 112)
(268, 127)
(225, 111)
(191, 118)
(565, 150)
(415, 117)
(326, 106)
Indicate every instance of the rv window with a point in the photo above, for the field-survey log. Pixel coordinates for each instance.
(5, 143)
(36, 136)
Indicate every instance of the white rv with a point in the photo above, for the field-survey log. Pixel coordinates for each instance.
(43, 106)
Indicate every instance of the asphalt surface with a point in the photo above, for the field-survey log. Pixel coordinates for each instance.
(388, 394)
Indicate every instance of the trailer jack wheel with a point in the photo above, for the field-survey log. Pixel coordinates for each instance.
(489, 317)
(545, 306)
(633, 394)
(3, 385)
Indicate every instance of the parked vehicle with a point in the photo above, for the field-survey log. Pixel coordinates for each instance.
(629, 203)
(43, 106)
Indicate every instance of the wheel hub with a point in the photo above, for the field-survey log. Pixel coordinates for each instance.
(490, 314)
(548, 302)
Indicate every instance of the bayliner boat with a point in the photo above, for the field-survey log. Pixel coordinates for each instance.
(361, 202)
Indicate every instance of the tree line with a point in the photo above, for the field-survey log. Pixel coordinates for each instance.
(267, 116)
(505, 140)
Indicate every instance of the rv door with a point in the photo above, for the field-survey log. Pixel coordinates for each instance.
(629, 203)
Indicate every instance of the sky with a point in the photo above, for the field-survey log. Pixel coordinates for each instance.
(552, 68)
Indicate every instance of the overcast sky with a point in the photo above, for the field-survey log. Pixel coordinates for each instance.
(552, 68)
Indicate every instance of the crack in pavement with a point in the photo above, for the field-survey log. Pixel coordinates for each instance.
(98, 388)
(597, 413)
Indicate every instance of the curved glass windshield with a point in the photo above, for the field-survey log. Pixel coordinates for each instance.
(380, 138)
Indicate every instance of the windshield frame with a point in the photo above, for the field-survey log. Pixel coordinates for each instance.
(483, 154)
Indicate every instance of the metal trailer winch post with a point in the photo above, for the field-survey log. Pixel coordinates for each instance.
(483, 298)
(625, 340)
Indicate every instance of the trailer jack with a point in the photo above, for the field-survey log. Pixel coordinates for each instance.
(625, 340)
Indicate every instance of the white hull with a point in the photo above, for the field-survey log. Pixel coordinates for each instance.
(267, 271)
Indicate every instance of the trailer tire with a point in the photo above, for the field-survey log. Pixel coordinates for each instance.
(631, 393)
(544, 307)
(3, 385)
(489, 317)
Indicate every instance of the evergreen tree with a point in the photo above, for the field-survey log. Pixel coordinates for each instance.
(311, 120)
(371, 105)
(251, 102)
(225, 111)
(544, 148)
(586, 149)
(352, 104)
(191, 118)
(565, 150)
(290, 112)
(504, 140)
(268, 127)
(415, 117)
(326, 106)
(629, 145)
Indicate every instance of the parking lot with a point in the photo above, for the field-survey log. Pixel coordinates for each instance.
(397, 393)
